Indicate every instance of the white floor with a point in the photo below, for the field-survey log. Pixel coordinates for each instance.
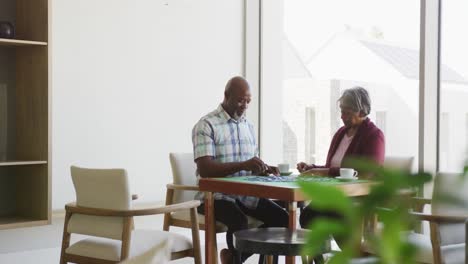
(41, 245)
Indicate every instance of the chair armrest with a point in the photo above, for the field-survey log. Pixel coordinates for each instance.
(440, 218)
(407, 192)
(420, 200)
(182, 187)
(73, 208)
(418, 203)
(134, 196)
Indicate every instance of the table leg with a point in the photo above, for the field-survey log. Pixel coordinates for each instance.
(210, 255)
(367, 228)
(292, 206)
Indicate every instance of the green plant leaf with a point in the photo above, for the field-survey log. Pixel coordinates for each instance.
(325, 197)
(418, 179)
(340, 258)
(322, 229)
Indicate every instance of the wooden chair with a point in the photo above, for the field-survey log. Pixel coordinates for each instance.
(447, 241)
(184, 188)
(103, 212)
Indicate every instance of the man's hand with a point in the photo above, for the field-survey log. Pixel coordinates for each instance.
(273, 170)
(302, 166)
(256, 165)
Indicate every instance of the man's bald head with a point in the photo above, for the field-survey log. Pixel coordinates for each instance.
(236, 97)
(235, 85)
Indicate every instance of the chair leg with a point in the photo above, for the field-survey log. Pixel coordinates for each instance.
(65, 238)
(126, 238)
(269, 259)
(195, 236)
(167, 216)
(215, 242)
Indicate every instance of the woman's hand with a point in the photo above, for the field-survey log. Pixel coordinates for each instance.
(302, 166)
(316, 172)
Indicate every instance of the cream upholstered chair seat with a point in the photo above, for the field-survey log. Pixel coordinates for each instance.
(451, 254)
(158, 254)
(104, 213)
(141, 241)
(423, 244)
(420, 241)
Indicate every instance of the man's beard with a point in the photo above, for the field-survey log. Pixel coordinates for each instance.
(237, 116)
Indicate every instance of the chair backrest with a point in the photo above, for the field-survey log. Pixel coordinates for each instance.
(446, 187)
(400, 163)
(104, 189)
(184, 171)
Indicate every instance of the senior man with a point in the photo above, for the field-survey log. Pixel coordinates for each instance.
(224, 145)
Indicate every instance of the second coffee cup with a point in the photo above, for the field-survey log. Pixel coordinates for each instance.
(283, 167)
(348, 173)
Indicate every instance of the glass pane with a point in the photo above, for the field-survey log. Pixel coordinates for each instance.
(453, 122)
(329, 46)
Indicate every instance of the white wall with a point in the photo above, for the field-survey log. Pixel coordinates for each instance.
(131, 78)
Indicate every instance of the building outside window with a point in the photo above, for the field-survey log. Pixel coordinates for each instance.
(326, 50)
(453, 127)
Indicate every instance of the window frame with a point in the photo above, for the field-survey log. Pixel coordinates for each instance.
(429, 65)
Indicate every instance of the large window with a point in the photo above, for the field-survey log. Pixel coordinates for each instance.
(453, 124)
(329, 46)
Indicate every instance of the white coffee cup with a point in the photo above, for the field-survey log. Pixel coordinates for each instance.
(348, 173)
(283, 167)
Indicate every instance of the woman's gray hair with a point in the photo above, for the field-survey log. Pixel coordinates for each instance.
(357, 98)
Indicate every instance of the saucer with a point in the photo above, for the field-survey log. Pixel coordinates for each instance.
(346, 179)
(286, 173)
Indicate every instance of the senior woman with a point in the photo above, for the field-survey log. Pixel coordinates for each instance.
(359, 137)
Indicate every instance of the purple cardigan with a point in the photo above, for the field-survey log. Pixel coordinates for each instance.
(368, 142)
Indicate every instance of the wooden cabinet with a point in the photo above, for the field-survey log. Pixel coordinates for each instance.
(25, 180)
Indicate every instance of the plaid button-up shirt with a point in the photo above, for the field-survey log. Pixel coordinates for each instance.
(226, 140)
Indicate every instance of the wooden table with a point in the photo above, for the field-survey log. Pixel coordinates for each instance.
(284, 191)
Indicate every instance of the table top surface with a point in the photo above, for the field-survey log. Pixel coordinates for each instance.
(278, 187)
(286, 181)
